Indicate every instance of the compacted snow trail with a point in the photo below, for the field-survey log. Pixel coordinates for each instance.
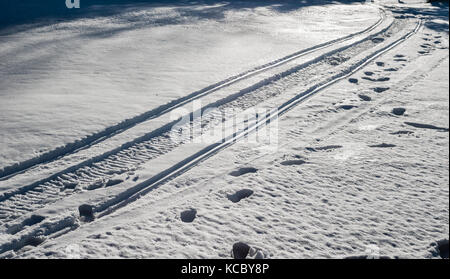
(123, 189)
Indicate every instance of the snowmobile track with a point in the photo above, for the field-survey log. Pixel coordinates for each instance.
(18, 168)
(67, 224)
(273, 115)
(99, 171)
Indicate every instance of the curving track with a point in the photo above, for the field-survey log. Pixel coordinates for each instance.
(102, 171)
(10, 171)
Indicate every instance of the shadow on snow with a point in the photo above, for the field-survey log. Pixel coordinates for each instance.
(24, 14)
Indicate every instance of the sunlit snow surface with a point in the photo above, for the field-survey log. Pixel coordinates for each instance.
(359, 170)
(61, 82)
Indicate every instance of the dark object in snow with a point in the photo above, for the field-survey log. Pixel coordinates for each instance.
(86, 211)
(240, 250)
(442, 246)
(398, 111)
(353, 80)
(188, 216)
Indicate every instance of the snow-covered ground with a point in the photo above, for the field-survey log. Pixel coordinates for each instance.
(358, 164)
(65, 81)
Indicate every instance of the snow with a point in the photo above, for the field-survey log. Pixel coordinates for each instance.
(347, 176)
(65, 81)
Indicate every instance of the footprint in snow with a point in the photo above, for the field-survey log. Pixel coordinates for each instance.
(240, 195)
(347, 107)
(399, 111)
(353, 80)
(383, 145)
(293, 163)
(364, 97)
(188, 216)
(243, 171)
(380, 89)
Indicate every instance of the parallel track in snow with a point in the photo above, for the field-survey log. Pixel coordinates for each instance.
(18, 168)
(101, 171)
(66, 224)
(266, 120)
